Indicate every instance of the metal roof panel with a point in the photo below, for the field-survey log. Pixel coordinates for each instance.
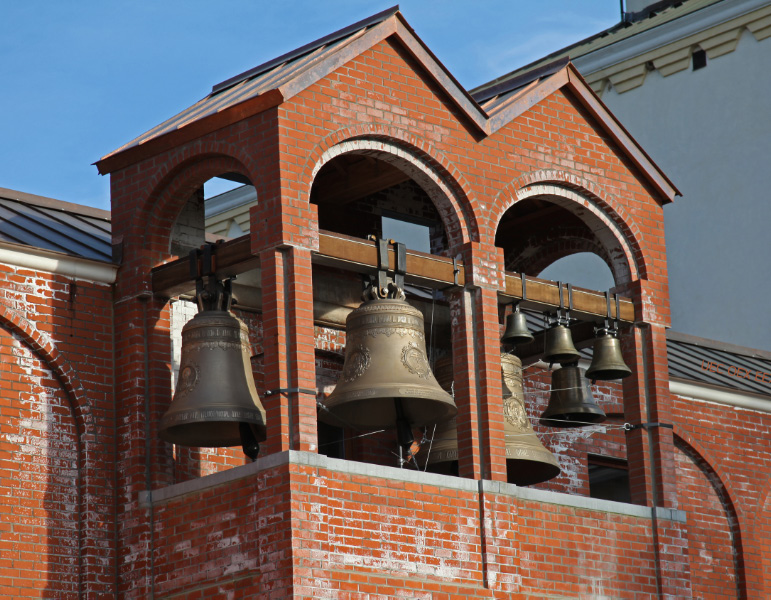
(49, 224)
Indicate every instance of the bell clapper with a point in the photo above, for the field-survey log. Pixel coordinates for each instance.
(403, 430)
(249, 443)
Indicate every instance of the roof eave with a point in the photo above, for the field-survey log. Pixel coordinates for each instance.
(394, 25)
(189, 132)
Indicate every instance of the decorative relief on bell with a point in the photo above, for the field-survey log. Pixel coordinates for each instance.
(356, 363)
(414, 359)
(188, 377)
(514, 413)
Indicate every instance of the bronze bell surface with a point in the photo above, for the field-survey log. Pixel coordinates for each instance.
(386, 376)
(607, 360)
(527, 460)
(558, 346)
(444, 438)
(571, 403)
(215, 391)
(516, 331)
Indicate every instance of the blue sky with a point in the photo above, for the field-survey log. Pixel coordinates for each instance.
(81, 78)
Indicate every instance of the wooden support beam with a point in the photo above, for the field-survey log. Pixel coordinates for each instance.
(543, 294)
(342, 251)
(230, 258)
(353, 254)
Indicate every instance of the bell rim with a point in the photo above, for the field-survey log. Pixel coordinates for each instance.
(173, 422)
(444, 405)
(605, 374)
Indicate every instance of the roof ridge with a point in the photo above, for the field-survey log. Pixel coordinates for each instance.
(310, 47)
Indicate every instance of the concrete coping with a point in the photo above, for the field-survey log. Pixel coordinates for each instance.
(311, 459)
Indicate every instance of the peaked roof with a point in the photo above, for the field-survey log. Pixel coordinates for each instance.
(278, 80)
(48, 224)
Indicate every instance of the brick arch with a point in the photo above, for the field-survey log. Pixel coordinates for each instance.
(604, 214)
(175, 179)
(87, 437)
(721, 484)
(551, 246)
(439, 178)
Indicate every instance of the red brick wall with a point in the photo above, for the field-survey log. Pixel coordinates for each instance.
(56, 436)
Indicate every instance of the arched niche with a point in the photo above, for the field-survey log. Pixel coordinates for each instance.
(365, 187)
(374, 178)
(548, 223)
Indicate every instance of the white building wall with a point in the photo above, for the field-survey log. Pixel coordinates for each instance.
(710, 130)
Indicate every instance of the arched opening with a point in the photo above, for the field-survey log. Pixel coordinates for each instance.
(216, 209)
(538, 231)
(557, 234)
(361, 195)
(375, 193)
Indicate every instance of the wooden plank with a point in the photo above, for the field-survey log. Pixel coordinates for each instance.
(234, 257)
(361, 255)
(544, 295)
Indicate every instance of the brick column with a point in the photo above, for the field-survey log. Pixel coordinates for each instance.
(646, 400)
(284, 245)
(476, 348)
(651, 451)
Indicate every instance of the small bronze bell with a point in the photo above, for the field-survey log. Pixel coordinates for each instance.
(527, 460)
(607, 360)
(386, 376)
(215, 392)
(571, 403)
(558, 345)
(516, 331)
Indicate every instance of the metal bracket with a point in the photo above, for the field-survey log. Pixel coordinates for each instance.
(646, 426)
(290, 391)
(211, 294)
(400, 269)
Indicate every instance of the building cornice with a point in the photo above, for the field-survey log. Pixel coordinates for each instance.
(716, 29)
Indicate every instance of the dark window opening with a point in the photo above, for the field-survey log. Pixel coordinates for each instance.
(699, 60)
(331, 440)
(608, 479)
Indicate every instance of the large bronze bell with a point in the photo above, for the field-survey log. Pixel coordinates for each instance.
(386, 376)
(607, 360)
(516, 331)
(558, 346)
(215, 392)
(527, 460)
(571, 403)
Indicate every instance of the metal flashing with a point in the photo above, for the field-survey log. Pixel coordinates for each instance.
(307, 48)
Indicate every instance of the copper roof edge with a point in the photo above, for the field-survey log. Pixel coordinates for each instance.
(52, 203)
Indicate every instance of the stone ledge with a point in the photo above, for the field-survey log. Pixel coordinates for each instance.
(310, 459)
